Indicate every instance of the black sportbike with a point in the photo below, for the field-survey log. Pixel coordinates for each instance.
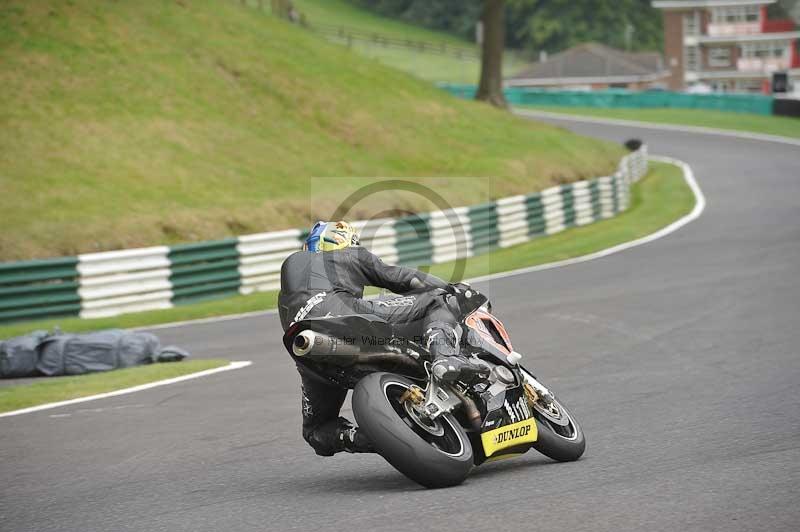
(432, 431)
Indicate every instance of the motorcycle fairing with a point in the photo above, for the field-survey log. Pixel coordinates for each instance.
(506, 411)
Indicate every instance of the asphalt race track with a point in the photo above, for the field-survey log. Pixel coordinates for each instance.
(679, 357)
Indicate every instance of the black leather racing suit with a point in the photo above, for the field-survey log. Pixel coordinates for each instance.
(332, 283)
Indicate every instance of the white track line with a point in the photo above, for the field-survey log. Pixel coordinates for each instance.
(654, 125)
(699, 206)
(133, 389)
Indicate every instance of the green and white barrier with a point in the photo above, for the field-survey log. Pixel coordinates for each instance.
(106, 284)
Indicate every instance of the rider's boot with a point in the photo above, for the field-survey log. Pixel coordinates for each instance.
(336, 436)
(448, 365)
(352, 440)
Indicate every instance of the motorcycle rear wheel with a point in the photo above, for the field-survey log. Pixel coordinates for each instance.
(434, 454)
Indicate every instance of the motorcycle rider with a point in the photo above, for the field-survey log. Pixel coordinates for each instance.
(328, 278)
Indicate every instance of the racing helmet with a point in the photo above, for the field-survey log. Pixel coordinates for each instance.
(330, 236)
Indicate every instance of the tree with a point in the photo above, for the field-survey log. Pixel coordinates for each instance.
(555, 25)
(537, 25)
(490, 88)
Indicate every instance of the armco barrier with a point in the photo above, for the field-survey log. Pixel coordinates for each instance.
(617, 98)
(105, 284)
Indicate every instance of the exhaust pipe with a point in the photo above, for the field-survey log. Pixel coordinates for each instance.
(302, 343)
(336, 351)
(313, 343)
(470, 410)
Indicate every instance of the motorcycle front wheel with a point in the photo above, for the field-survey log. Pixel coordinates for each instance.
(560, 436)
(435, 454)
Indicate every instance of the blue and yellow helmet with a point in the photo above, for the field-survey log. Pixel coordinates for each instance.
(330, 236)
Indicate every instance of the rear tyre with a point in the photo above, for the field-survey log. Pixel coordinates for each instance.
(434, 454)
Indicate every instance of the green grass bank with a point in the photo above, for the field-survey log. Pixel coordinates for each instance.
(130, 124)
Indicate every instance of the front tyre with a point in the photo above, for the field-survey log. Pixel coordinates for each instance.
(560, 436)
(435, 454)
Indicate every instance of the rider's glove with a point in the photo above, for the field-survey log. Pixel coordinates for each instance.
(461, 290)
(457, 295)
